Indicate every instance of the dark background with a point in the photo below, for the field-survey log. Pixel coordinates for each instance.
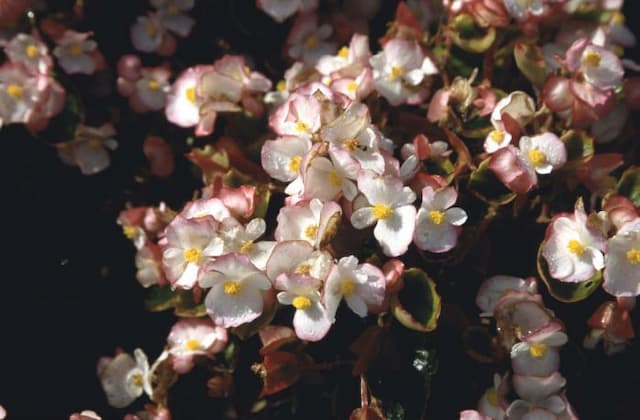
(69, 293)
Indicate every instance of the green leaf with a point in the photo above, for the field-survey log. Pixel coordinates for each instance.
(478, 44)
(263, 197)
(579, 146)
(566, 292)
(530, 61)
(629, 185)
(486, 186)
(185, 307)
(161, 298)
(417, 306)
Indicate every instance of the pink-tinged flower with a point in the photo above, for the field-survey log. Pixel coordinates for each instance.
(236, 295)
(203, 207)
(497, 139)
(544, 152)
(473, 415)
(326, 181)
(75, 52)
(360, 286)
(29, 51)
(50, 103)
(489, 404)
(353, 140)
(307, 221)
(622, 262)
(19, 93)
(172, 15)
(620, 210)
(147, 33)
(150, 90)
(293, 77)
(194, 337)
(538, 356)
(573, 249)
(349, 61)
(493, 288)
(311, 320)
(438, 224)
(124, 378)
(280, 10)
(190, 243)
(512, 170)
(149, 265)
(518, 107)
(390, 209)
(399, 69)
(299, 116)
(355, 88)
(243, 239)
(599, 67)
(282, 158)
(535, 389)
(83, 415)
(550, 408)
(183, 103)
(298, 257)
(308, 41)
(88, 150)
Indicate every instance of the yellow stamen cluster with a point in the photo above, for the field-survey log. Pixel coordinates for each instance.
(232, 288)
(347, 287)
(350, 144)
(396, 71)
(246, 247)
(153, 84)
(344, 52)
(192, 255)
(311, 231)
(130, 231)
(311, 42)
(492, 397)
(538, 350)
(15, 91)
(137, 380)
(151, 30)
(592, 58)
(497, 136)
(301, 302)
(537, 157)
(437, 217)
(352, 86)
(294, 164)
(301, 126)
(576, 247)
(95, 143)
(31, 51)
(381, 211)
(192, 344)
(281, 86)
(633, 256)
(334, 179)
(76, 49)
(190, 93)
(304, 269)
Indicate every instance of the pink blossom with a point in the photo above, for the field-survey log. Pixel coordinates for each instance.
(544, 152)
(149, 265)
(512, 170)
(147, 33)
(183, 103)
(124, 378)
(29, 51)
(307, 221)
(172, 16)
(280, 10)
(20, 93)
(308, 41)
(600, 68)
(193, 337)
(282, 158)
(75, 52)
(88, 150)
(438, 223)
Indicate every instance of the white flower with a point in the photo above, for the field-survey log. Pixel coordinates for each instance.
(622, 264)
(29, 51)
(306, 222)
(298, 257)
(172, 16)
(243, 239)
(438, 223)
(573, 250)
(280, 10)
(389, 209)
(538, 356)
(517, 105)
(489, 405)
(183, 104)
(236, 286)
(496, 139)
(282, 157)
(325, 181)
(493, 288)
(307, 41)
(124, 378)
(359, 285)
(545, 152)
(74, 52)
(146, 33)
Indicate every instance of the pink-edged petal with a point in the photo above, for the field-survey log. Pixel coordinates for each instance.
(395, 233)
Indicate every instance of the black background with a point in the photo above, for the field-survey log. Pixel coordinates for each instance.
(68, 291)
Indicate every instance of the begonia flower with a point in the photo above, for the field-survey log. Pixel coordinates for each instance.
(298, 257)
(194, 337)
(390, 209)
(360, 285)
(544, 152)
(308, 41)
(600, 67)
(149, 270)
(280, 10)
(307, 221)
(29, 51)
(547, 409)
(173, 17)
(203, 207)
(489, 404)
(437, 222)
(622, 262)
(513, 170)
(282, 157)
(147, 33)
(183, 103)
(124, 378)
(190, 243)
(398, 71)
(538, 356)
(19, 93)
(492, 289)
(150, 90)
(518, 106)
(311, 320)
(75, 52)
(325, 180)
(573, 249)
(236, 295)
(298, 116)
(243, 239)
(88, 150)
(497, 139)
(535, 389)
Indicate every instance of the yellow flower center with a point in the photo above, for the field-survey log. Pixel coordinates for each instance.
(311, 42)
(352, 86)
(538, 350)
(190, 93)
(137, 380)
(497, 136)
(281, 86)
(246, 247)
(130, 231)
(350, 144)
(347, 287)
(303, 268)
(294, 164)
(633, 256)
(31, 51)
(151, 29)
(396, 71)
(232, 288)
(153, 84)
(301, 302)
(492, 397)
(95, 143)
(344, 52)
(76, 49)
(537, 157)
(436, 216)
(381, 211)
(334, 179)
(592, 58)
(575, 247)
(192, 255)
(192, 344)
(301, 126)
(173, 9)
(311, 231)
(15, 91)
